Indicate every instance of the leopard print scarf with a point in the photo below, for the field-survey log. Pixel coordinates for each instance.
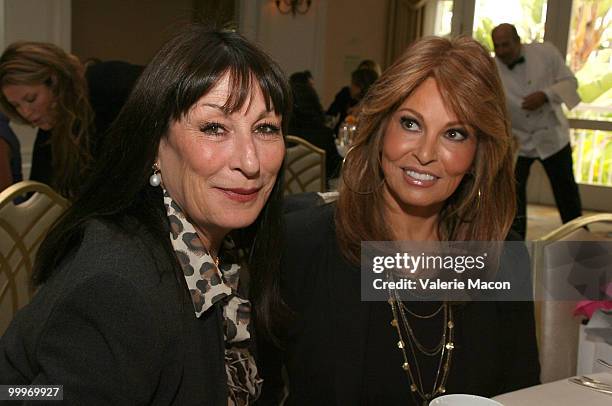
(209, 284)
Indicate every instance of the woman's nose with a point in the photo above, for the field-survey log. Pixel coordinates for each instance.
(245, 157)
(426, 152)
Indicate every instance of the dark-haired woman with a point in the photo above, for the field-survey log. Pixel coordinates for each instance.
(141, 284)
(432, 161)
(308, 121)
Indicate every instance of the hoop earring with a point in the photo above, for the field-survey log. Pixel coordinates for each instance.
(155, 179)
(368, 192)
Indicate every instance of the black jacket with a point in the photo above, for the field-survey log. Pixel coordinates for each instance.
(114, 326)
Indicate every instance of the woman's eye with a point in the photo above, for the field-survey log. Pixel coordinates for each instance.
(267, 129)
(409, 124)
(456, 134)
(31, 99)
(212, 129)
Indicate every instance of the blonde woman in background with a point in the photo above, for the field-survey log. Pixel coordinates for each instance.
(43, 86)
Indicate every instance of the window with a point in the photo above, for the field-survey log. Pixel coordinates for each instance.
(438, 18)
(528, 16)
(590, 57)
(584, 28)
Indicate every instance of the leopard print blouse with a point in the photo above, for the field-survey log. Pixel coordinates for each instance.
(209, 284)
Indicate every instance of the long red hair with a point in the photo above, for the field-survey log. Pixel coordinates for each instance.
(483, 206)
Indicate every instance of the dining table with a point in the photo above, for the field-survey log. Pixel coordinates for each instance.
(559, 393)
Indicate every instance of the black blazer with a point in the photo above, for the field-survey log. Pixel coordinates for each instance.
(324, 350)
(115, 327)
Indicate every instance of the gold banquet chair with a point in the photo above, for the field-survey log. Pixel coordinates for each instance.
(304, 167)
(557, 329)
(22, 228)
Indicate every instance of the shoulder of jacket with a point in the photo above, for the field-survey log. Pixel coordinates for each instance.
(107, 248)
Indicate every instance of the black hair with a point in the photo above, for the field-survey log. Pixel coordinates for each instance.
(307, 110)
(301, 77)
(363, 79)
(186, 68)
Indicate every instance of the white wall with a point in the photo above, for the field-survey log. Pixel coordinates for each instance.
(130, 31)
(355, 31)
(330, 40)
(296, 43)
(33, 20)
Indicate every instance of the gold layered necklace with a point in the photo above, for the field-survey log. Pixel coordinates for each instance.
(443, 349)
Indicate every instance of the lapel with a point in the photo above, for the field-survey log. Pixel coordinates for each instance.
(351, 319)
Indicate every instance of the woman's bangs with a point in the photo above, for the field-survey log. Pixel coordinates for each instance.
(243, 83)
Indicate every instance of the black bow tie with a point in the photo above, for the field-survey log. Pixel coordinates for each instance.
(517, 62)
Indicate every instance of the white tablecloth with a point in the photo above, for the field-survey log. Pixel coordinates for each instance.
(559, 393)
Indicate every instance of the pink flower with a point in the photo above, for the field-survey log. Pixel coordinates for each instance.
(588, 307)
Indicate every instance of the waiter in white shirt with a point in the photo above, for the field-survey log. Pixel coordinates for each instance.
(537, 81)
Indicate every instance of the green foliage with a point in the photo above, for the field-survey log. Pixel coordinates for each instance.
(531, 29)
(592, 156)
(533, 8)
(532, 24)
(483, 33)
(603, 6)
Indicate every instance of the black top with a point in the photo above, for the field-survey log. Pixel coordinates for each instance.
(341, 351)
(109, 85)
(42, 161)
(382, 354)
(342, 102)
(114, 326)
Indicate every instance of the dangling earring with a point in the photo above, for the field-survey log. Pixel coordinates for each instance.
(155, 179)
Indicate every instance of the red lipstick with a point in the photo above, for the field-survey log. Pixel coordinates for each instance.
(240, 194)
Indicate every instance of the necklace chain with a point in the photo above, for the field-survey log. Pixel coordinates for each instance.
(444, 348)
(418, 316)
(431, 352)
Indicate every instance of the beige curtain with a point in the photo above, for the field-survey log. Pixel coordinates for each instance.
(404, 25)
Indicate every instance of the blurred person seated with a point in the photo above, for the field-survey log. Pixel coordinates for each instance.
(307, 121)
(45, 87)
(432, 161)
(109, 84)
(370, 64)
(142, 297)
(347, 98)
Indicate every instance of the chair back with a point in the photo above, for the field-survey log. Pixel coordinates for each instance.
(304, 167)
(22, 228)
(557, 328)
